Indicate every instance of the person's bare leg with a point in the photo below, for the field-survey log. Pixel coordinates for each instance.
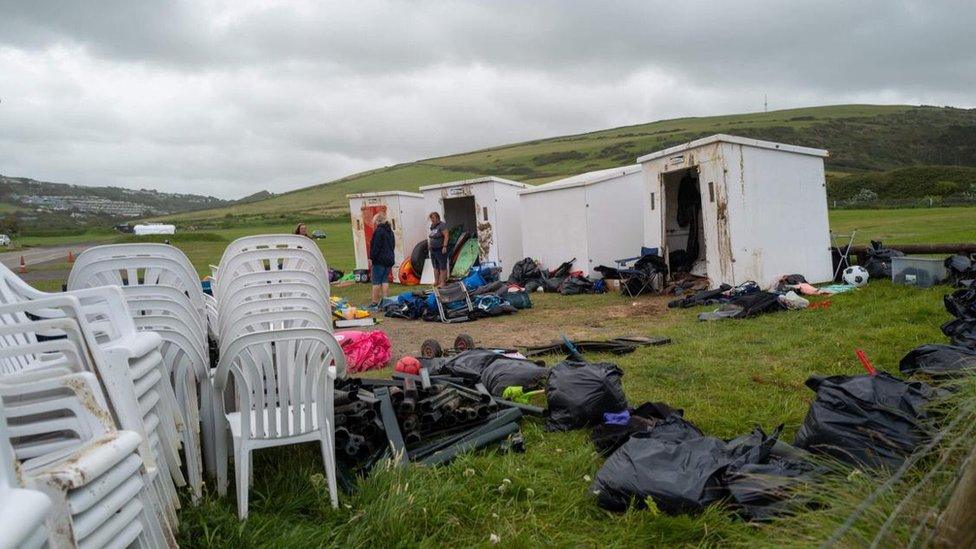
(386, 289)
(376, 294)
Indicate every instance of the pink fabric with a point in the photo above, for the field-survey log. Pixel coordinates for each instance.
(364, 350)
(809, 289)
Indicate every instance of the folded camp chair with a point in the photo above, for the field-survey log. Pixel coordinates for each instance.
(841, 252)
(635, 278)
(453, 302)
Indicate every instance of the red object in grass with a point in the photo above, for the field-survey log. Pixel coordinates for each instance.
(865, 362)
(408, 365)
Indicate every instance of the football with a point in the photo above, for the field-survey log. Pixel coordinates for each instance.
(856, 276)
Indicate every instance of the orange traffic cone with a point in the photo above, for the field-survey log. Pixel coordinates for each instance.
(71, 257)
(23, 265)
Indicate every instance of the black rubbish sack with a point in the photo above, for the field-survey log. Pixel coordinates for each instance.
(878, 262)
(579, 393)
(939, 361)
(666, 422)
(524, 271)
(576, 285)
(495, 370)
(876, 421)
(507, 372)
(680, 477)
(961, 332)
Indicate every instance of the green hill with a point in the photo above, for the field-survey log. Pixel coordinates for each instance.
(860, 138)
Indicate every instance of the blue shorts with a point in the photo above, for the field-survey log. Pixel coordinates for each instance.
(439, 259)
(379, 274)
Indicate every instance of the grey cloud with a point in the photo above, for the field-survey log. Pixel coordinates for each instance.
(248, 95)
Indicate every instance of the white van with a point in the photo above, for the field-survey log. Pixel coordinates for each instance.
(4, 240)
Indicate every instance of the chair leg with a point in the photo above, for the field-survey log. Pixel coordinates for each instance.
(329, 462)
(220, 447)
(242, 469)
(208, 422)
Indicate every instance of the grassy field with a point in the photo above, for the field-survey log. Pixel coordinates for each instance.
(728, 377)
(860, 138)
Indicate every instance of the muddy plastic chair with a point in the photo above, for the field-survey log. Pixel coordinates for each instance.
(99, 488)
(22, 511)
(292, 406)
(127, 362)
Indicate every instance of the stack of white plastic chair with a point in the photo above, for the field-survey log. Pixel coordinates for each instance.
(164, 296)
(68, 448)
(91, 331)
(22, 511)
(278, 357)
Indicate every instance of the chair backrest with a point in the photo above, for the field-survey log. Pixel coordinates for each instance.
(278, 377)
(269, 321)
(270, 279)
(265, 241)
(268, 261)
(50, 416)
(265, 292)
(42, 344)
(132, 265)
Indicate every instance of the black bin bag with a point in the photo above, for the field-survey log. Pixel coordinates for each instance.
(761, 491)
(875, 421)
(506, 372)
(495, 370)
(682, 476)
(939, 361)
(579, 393)
(665, 421)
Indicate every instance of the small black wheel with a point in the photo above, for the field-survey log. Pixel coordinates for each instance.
(463, 342)
(431, 349)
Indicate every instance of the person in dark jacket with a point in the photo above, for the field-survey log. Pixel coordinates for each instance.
(381, 255)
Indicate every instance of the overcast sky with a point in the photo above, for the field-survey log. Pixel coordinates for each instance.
(229, 98)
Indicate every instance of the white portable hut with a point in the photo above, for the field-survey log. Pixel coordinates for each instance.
(486, 206)
(595, 217)
(405, 212)
(153, 228)
(756, 209)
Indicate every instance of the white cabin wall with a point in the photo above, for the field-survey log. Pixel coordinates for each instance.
(507, 229)
(554, 226)
(789, 229)
(614, 221)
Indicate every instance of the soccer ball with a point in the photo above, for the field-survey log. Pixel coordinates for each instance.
(855, 276)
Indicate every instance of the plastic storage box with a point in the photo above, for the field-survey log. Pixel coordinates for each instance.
(917, 271)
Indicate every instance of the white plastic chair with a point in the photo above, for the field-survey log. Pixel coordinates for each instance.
(99, 488)
(284, 384)
(270, 261)
(127, 363)
(265, 241)
(138, 265)
(22, 511)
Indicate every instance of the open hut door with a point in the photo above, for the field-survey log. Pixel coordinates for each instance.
(370, 211)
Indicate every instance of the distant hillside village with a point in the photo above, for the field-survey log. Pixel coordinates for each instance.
(38, 205)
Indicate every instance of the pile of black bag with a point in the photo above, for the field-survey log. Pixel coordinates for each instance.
(961, 304)
(527, 274)
(961, 269)
(493, 369)
(878, 261)
(665, 458)
(868, 420)
(939, 361)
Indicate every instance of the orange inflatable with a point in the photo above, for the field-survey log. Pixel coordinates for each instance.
(407, 276)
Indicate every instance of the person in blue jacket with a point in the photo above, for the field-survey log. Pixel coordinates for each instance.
(381, 255)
